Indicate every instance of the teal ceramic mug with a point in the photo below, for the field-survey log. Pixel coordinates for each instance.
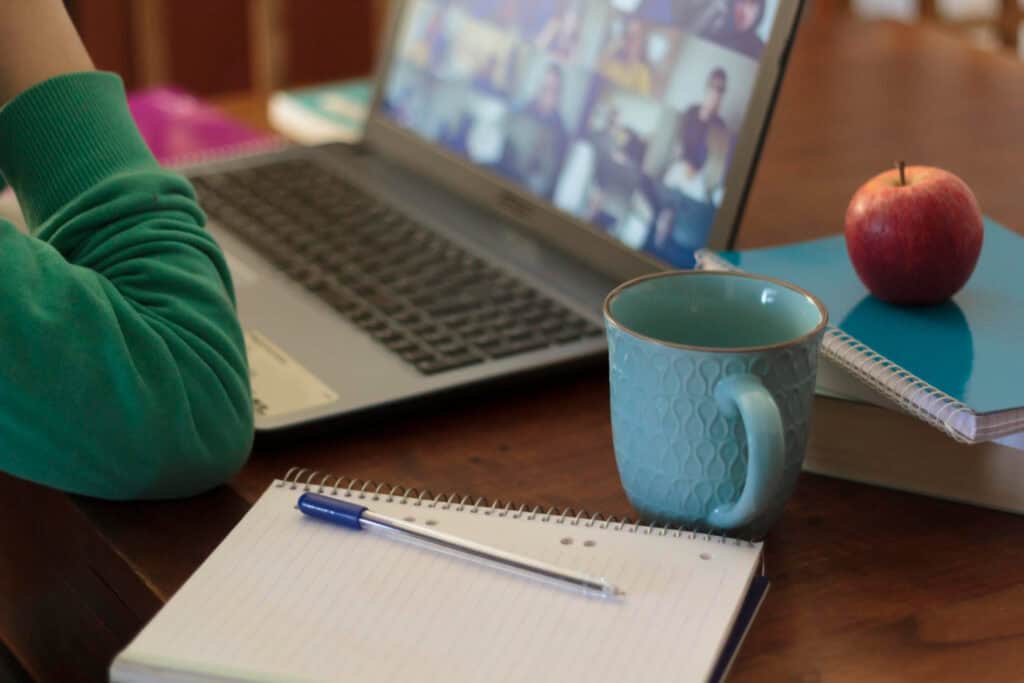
(712, 379)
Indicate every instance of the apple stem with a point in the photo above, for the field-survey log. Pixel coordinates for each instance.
(902, 165)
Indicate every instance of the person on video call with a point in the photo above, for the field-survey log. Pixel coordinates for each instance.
(124, 368)
(561, 34)
(505, 13)
(619, 152)
(627, 66)
(537, 136)
(737, 28)
(488, 79)
(698, 167)
(431, 48)
(697, 127)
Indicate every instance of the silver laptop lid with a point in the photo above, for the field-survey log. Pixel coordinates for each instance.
(625, 131)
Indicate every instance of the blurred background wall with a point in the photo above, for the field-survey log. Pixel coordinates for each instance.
(218, 46)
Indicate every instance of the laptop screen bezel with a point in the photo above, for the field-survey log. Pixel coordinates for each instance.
(573, 235)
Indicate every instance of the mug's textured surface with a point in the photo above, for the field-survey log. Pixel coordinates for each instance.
(679, 454)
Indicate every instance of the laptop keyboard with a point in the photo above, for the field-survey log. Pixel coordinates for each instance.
(435, 305)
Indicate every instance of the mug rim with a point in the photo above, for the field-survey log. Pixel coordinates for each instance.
(715, 349)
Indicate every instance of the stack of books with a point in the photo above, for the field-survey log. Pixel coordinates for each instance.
(333, 112)
(956, 367)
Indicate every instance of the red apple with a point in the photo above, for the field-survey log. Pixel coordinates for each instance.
(914, 234)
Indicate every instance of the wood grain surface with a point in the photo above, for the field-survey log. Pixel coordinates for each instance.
(867, 584)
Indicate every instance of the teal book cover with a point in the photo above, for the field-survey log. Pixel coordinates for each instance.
(323, 113)
(960, 362)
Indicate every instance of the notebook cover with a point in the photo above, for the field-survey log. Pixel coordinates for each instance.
(334, 111)
(744, 620)
(345, 103)
(180, 128)
(968, 347)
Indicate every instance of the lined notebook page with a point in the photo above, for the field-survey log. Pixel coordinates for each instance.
(289, 598)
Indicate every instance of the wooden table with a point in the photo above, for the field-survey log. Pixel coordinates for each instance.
(868, 584)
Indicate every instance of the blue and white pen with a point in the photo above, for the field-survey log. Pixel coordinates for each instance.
(353, 516)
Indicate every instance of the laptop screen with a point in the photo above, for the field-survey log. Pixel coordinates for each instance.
(623, 113)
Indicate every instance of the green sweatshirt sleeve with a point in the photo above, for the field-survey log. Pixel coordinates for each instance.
(123, 371)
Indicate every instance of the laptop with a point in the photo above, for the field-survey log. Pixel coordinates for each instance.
(522, 157)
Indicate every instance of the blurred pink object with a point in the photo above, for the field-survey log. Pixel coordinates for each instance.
(180, 128)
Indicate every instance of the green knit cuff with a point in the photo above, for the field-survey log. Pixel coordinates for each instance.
(63, 136)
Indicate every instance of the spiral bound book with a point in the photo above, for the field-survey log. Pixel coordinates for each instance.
(181, 129)
(956, 366)
(289, 598)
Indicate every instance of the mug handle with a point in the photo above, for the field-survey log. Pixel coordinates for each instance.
(747, 396)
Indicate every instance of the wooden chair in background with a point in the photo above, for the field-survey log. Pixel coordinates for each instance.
(1004, 23)
(230, 45)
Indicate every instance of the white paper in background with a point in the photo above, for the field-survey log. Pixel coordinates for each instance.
(903, 10)
(967, 9)
(907, 10)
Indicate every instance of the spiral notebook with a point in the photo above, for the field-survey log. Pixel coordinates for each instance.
(332, 112)
(288, 598)
(181, 129)
(956, 366)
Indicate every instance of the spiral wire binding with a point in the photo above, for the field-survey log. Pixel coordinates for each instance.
(233, 152)
(907, 390)
(364, 489)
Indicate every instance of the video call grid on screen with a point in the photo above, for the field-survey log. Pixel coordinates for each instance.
(623, 113)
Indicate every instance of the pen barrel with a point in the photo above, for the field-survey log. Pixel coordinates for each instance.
(487, 555)
(340, 512)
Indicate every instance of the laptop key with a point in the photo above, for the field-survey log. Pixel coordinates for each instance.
(342, 301)
(518, 334)
(551, 325)
(566, 336)
(382, 302)
(440, 364)
(363, 316)
(436, 339)
(488, 341)
(452, 306)
(374, 326)
(387, 335)
(404, 345)
(514, 348)
(425, 331)
(452, 348)
(410, 318)
(416, 355)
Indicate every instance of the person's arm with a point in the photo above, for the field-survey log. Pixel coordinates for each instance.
(122, 364)
(39, 42)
